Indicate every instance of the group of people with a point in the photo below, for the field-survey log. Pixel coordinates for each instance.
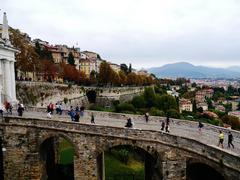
(165, 125)
(221, 139)
(76, 113)
(8, 107)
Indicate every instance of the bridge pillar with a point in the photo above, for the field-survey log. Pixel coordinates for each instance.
(85, 167)
(174, 167)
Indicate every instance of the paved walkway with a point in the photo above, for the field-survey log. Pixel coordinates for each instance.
(206, 136)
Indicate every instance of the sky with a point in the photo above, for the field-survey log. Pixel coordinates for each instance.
(145, 33)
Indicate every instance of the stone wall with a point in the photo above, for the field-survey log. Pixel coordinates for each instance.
(22, 137)
(41, 94)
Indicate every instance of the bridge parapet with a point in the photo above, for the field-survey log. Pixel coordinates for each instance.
(227, 159)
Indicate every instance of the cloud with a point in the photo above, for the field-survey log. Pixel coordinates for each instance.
(146, 33)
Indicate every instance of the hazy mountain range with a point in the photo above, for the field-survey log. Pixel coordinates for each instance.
(184, 69)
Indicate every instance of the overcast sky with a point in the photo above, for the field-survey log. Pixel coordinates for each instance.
(146, 33)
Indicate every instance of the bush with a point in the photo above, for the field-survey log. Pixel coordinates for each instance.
(231, 120)
(156, 112)
(173, 113)
(96, 107)
(125, 107)
(121, 154)
(139, 102)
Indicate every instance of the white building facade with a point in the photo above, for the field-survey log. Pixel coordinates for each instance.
(7, 73)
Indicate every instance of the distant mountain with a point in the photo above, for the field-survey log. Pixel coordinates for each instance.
(234, 68)
(184, 69)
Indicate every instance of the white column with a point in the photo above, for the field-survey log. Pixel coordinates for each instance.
(8, 81)
(13, 83)
(1, 94)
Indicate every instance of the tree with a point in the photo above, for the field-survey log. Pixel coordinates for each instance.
(231, 120)
(122, 77)
(124, 68)
(131, 79)
(166, 102)
(138, 102)
(150, 97)
(130, 68)
(105, 72)
(27, 59)
(70, 59)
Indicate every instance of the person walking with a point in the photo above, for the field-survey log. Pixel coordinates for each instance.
(92, 119)
(1, 110)
(230, 140)
(200, 126)
(146, 116)
(221, 138)
(77, 116)
(20, 109)
(162, 126)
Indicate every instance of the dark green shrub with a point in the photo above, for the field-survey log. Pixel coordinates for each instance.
(139, 102)
(125, 107)
(156, 112)
(173, 113)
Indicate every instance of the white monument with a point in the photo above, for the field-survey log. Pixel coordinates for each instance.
(7, 59)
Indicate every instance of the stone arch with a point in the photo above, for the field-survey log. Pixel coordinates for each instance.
(59, 134)
(197, 169)
(91, 95)
(52, 168)
(152, 157)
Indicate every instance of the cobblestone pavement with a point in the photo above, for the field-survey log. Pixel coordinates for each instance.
(188, 130)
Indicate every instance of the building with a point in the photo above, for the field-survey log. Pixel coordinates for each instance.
(185, 105)
(220, 108)
(7, 59)
(234, 113)
(202, 105)
(115, 67)
(87, 66)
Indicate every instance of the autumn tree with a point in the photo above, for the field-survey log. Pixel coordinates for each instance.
(104, 73)
(122, 77)
(27, 59)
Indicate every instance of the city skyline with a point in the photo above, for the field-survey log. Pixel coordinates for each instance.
(138, 32)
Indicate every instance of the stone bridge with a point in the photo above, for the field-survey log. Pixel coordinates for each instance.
(167, 156)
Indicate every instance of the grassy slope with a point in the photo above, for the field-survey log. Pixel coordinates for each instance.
(117, 170)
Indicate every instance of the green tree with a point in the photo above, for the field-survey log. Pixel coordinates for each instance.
(124, 68)
(150, 97)
(139, 102)
(167, 102)
(130, 68)
(173, 113)
(70, 59)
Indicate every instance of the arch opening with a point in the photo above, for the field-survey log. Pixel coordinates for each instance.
(199, 171)
(125, 162)
(57, 156)
(91, 95)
